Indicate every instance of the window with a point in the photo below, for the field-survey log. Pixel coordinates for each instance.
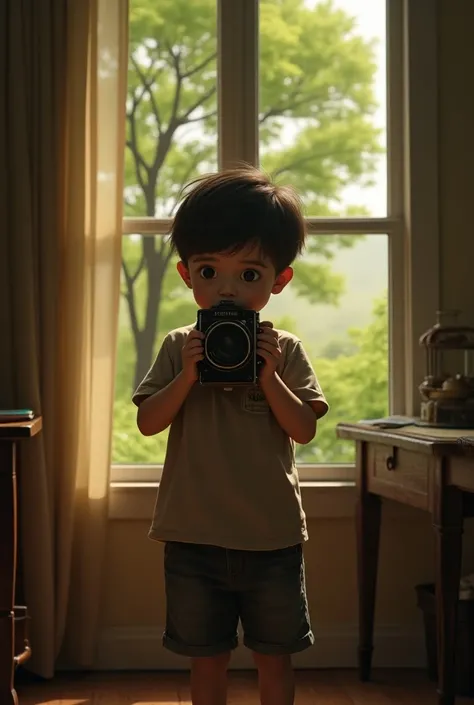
(311, 91)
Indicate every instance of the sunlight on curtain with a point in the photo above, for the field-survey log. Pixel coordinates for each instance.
(108, 176)
(62, 131)
(91, 289)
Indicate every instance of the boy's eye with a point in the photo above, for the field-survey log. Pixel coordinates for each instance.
(207, 272)
(250, 275)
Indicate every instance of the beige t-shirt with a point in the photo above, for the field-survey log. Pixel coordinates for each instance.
(229, 476)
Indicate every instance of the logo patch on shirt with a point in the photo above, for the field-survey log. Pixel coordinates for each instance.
(254, 400)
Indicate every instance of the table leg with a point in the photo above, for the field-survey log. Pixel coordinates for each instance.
(368, 515)
(8, 509)
(448, 525)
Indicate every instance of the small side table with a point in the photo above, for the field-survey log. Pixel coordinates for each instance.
(430, 470)
(11, 434)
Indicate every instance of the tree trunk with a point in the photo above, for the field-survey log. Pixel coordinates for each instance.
(144, 347)
(156, 263)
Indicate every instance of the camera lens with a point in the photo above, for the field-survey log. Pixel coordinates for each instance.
(227, 345)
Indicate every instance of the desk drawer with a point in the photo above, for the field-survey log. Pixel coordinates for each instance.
(399, 474)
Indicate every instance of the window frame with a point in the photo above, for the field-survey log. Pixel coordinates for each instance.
(411, 224)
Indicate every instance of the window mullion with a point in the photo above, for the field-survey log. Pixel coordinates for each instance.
(395, 205)
(395, 108)
(316, 226)
(422, 255)
(146, 226)
(238, 82)
(352, 226)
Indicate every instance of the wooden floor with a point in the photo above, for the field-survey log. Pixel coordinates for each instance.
(325, 687)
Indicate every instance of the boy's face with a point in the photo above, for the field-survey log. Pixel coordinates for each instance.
(246, 278)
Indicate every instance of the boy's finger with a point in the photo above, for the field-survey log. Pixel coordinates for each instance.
(194, 344)
(272, 339)
(269, 332)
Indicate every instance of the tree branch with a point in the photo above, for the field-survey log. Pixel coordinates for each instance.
(304, 160)
(148, 82)
(132, 144)
(165, 255)
(276, 111)
(184, 181)
(200, 66)
(212, 114)
(133, 147)
(292, 102)
(129, 296)
(138, 270)
(164, 143)
(136, 100)
(183, 119)
(177, 96)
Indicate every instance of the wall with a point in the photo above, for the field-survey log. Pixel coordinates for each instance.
(456, 150)
(133, 611)
(133, 606)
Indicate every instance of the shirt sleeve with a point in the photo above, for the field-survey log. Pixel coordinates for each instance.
(300, 378)
(160, 374)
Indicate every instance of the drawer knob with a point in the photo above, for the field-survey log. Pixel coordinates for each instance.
(391, 462)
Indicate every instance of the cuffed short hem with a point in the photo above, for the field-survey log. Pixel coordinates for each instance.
(280, 649)
(197, 651)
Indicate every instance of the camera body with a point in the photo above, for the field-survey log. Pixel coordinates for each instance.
(230, 345)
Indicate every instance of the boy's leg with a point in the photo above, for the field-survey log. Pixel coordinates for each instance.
(276, 679)
(275, 618)
(201, 616)
(209, 679)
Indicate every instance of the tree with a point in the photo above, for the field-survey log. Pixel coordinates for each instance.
(316, 74)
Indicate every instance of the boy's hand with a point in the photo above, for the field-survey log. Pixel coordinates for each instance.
(268, 347)
(191, 353)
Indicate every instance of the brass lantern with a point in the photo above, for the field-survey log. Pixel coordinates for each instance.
(447, 391)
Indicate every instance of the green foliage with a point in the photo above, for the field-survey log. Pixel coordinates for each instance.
(128, 445)
(356, 386)
(171, 84)
(318, 75)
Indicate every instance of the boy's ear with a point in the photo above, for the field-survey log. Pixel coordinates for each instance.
(282, 280)
(184, 274)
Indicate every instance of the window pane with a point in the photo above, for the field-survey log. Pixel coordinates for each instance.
(171, 102)
(323, 102)
(336, 303)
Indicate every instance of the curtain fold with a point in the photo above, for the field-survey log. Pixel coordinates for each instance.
(63, 69)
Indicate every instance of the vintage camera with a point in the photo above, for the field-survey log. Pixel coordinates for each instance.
(230, 345)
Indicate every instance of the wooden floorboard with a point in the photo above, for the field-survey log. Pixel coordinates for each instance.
(321, 687)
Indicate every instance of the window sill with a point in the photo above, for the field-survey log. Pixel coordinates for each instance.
(135, 501)
(321, 500)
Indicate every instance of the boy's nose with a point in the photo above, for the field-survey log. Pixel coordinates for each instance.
(228, 290)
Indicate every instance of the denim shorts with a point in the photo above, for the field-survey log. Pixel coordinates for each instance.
(209, 589)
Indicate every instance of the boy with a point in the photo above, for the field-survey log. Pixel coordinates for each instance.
(229, 505)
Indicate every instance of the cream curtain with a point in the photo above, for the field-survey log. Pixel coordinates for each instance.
(60, 250)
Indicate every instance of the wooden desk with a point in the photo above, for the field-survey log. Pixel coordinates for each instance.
(431, 470)
(10, 436)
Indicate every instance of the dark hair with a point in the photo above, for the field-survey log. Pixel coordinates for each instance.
(237, 208)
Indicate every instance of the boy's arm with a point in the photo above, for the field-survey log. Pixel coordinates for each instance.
(161, 394)
(297, 418)
(294, 394)
(156, 412)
